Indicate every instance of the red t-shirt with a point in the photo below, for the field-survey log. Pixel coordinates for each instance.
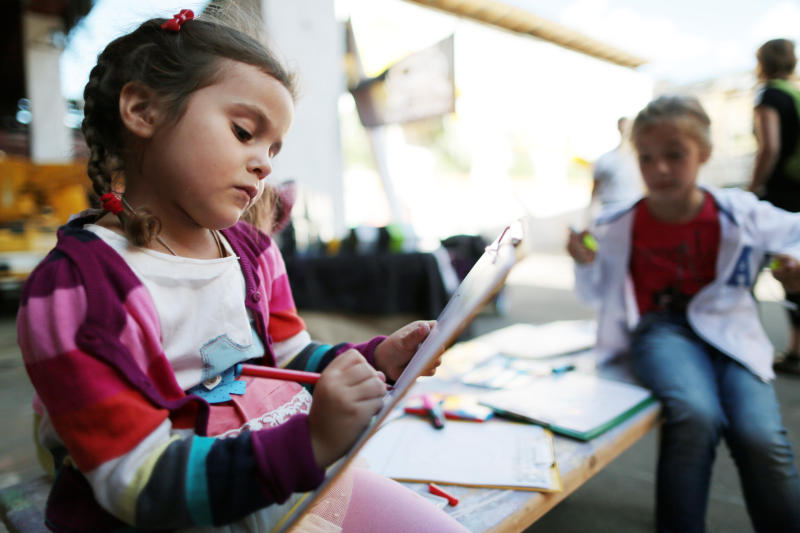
(670, 263)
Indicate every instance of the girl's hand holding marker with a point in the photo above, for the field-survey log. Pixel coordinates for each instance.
(582, 246)
(786, 269)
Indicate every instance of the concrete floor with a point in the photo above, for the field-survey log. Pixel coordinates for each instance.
(17, 458)
(619, 499)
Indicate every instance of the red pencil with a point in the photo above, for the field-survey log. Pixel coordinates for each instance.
(286, 374)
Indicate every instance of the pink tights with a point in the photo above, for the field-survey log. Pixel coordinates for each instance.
(381, 504)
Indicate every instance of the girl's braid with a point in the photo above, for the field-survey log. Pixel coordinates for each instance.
(102, 129)
(98, 167)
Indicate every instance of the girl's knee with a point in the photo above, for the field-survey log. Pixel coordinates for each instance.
(757, 441)
(694, 422)
(401, 509)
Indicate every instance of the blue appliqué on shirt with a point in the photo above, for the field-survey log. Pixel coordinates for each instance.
(220, 357)
(222, 391)
(221, 353)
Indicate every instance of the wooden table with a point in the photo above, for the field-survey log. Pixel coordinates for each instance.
(512, 510)
(478, 510)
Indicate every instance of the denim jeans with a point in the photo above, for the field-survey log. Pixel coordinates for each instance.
(706, 395)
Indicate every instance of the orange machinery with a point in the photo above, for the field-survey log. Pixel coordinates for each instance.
(34, 201)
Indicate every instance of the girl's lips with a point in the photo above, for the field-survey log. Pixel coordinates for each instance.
(246, 195)
(252, 192)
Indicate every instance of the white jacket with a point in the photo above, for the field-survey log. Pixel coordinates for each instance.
(724, 312)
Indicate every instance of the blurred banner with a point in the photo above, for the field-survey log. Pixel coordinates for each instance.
(417, 87)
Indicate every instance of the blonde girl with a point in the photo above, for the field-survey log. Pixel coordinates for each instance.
(673, 277)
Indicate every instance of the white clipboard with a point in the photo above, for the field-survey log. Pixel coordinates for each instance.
(483, 281)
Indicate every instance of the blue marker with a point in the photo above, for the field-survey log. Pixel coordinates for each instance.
(563, 368)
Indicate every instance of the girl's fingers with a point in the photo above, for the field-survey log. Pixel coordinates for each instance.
(353, 371)
(369, 391)
(412, 334)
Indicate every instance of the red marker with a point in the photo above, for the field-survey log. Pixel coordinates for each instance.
(433, 488)
(286, 374)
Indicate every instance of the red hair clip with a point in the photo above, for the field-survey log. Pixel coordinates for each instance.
(175, 23)
(111, 203)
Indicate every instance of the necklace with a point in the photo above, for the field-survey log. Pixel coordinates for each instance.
(218, 240)
(214, 235)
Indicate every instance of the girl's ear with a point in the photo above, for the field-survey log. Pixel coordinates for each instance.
(705, 154)
(139, 109)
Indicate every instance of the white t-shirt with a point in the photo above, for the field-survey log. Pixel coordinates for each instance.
(205, 326)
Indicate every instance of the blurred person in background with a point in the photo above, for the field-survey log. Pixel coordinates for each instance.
(776, 172)
(616, 177)
(673, 277)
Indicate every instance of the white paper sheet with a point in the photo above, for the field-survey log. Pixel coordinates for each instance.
(495, 453)
(533, 341)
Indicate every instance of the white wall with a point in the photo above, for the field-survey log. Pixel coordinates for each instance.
(517, 96)
(306, 34)
(51, 140)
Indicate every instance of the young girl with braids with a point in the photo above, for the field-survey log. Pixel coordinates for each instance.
(132, 326)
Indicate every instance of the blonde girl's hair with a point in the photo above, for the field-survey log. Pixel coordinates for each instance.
(683, 110)
(174, 65)
(776, 58)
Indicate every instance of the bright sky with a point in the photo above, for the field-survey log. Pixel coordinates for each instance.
(107, 20)
(685, 40)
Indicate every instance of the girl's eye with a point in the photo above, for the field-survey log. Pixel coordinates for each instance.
(275, 150)
(241, 133)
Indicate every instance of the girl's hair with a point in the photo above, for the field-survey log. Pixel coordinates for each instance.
(684, 111)
(174, 65)
(776, 58)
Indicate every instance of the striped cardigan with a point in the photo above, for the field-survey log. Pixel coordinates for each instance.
(90, 338)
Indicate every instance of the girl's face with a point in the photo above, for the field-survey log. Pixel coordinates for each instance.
(207, 168)
(669, 159)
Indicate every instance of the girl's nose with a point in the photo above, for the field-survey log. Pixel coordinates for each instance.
(260, 165)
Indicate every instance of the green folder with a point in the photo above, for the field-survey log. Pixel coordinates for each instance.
(578, 405)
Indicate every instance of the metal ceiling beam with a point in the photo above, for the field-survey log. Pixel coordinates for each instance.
(518, 20)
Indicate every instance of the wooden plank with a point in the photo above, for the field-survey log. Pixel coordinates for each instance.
(502, 511)
(578, 462)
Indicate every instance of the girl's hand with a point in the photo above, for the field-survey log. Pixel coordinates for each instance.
(392, 355)
(349, 392)
(786, 269)
(578, 250)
